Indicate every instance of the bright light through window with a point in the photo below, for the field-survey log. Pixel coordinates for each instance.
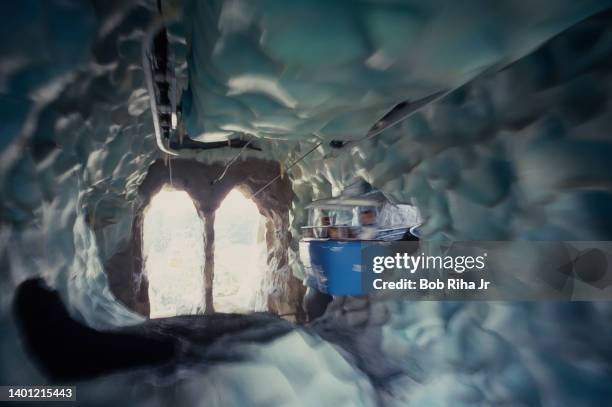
(173, 254)
(240, 254)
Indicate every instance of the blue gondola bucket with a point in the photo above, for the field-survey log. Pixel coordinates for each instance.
(333, 266)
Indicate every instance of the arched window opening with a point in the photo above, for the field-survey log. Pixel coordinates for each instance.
(240, 255)
(173, 254)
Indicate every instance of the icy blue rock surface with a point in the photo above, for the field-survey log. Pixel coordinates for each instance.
(288, 70)
(518, 150)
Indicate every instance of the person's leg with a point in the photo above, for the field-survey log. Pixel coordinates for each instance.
(315, 303)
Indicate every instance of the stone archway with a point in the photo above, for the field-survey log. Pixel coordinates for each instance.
(124, 269)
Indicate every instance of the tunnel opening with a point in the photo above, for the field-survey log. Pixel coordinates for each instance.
(240, 255)
(277, 289)
(173, 254)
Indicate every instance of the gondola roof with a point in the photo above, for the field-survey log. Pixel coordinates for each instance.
(371, 199)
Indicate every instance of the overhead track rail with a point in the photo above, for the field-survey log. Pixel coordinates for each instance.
(154, 61)
(164, 95)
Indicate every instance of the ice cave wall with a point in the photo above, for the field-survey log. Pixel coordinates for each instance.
(90, 141)
(79, 142)
(289, 70)
(519, 153)
(476, 162)
(522, 153)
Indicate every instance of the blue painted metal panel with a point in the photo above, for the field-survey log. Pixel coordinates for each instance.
(333, 266)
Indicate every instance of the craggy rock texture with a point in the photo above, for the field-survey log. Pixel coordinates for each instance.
(518, 154)
(289, 70)
(519, 149)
